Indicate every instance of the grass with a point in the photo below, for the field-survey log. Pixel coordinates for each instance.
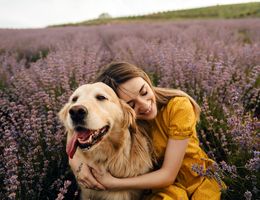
(232, 11)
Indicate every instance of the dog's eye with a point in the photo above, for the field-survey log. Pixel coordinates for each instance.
(101, 97)
(74, 99)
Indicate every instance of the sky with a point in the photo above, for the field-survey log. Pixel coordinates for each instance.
(41, 13)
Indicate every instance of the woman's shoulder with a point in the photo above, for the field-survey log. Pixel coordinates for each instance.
(179, 102)
(180, 117)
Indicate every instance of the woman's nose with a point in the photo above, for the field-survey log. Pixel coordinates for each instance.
(142, 104)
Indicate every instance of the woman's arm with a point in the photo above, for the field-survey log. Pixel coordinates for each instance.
(163, 177)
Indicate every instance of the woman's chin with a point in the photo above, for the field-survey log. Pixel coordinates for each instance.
(149, 116)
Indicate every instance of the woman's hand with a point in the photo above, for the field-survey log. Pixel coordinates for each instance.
(84, 176)
(104, 177)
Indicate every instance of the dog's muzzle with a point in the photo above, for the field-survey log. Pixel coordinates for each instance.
(78, 114)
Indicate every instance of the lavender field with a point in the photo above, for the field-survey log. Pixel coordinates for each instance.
(217, 62)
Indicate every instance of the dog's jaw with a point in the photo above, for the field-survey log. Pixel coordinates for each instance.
(110, 145)
(85, 139)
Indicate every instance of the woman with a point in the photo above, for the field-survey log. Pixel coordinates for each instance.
(171, 117)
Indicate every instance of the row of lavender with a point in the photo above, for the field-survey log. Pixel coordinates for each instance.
(216, 62)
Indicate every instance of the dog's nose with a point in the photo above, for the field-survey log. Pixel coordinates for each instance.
(78, 113)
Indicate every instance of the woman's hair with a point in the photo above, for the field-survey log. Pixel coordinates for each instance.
(117, 73)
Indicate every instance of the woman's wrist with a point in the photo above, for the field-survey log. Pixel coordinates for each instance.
(115, 184)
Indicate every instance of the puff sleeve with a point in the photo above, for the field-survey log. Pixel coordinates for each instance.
(182, 119)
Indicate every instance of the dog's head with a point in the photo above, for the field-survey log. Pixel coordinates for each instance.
(92, 114)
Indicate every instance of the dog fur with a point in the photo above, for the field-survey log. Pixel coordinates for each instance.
(123, 150)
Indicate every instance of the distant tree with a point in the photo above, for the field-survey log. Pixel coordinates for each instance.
(104, 16)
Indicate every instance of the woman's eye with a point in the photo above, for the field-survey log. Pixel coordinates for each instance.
(144, 93)
(101, 97)
(74, 99)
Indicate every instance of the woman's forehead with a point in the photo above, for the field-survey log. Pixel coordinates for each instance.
(131, 88)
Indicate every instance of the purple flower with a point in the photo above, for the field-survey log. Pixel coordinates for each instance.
(248, 195)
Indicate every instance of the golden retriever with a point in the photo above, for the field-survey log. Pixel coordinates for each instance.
(104, 129)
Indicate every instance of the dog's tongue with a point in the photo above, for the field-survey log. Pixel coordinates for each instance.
(73, 143)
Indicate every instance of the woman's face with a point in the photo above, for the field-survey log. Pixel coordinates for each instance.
(139, 95)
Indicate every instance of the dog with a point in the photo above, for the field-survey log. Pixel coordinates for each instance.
(101, 129)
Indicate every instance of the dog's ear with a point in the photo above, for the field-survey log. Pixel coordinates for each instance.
(128, 116)
(62, 113)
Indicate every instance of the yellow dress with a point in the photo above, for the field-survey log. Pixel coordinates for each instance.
(177, 121)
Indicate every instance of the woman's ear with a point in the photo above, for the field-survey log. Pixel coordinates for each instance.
(128, 116)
